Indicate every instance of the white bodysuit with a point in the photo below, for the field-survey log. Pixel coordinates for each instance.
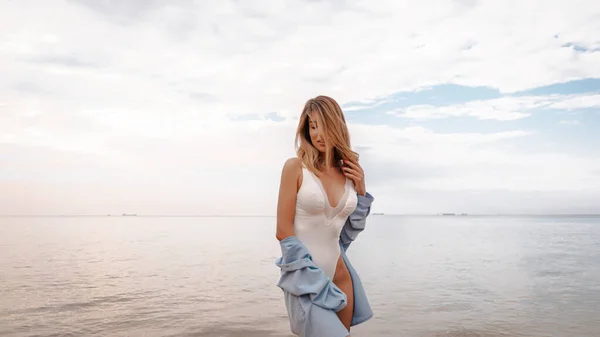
(317, 224)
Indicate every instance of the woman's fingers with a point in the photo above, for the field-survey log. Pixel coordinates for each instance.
(354, 168)
(353, 165)
(353, 174)
(353, 177)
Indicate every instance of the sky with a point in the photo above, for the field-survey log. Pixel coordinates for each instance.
(190, 107)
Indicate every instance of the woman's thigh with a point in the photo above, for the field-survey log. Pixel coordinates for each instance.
(343, 280)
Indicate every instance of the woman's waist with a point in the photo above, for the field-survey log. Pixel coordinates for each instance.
(319, 244)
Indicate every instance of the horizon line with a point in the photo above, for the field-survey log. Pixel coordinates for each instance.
(445, 214)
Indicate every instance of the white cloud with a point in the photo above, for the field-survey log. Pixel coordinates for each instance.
(455, 162)
(492, 109)
(367, 104)
(570, 122)
(577, 102)
(238, 171)
(136, 98)
(211, 172)
(503, 109)
(271, 56)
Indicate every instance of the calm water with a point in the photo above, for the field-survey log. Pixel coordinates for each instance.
(426, 276)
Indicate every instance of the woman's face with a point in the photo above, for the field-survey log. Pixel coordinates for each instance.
(316, 135)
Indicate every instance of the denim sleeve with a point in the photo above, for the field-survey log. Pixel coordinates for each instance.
(301, 277)
(357, 220)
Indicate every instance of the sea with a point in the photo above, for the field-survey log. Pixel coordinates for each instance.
(530, 276)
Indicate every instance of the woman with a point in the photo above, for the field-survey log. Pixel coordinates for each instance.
(322, 205)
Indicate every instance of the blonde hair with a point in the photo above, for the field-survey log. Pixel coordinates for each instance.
(334, 129)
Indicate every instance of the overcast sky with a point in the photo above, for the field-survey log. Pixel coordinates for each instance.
(190, 107)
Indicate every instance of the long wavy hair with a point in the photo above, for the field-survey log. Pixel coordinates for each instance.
(334, 129)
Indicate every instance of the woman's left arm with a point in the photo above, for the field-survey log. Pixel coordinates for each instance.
(357, 220)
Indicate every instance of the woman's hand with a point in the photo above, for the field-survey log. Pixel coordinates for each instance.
(352, 170)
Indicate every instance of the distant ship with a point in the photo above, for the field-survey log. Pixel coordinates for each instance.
(377, 213)
(133, 214)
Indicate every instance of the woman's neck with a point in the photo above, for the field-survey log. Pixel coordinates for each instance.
(332, 163)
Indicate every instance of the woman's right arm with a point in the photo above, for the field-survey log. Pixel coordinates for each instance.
(286, 204)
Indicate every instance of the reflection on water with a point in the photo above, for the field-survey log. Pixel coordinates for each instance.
(426, 276)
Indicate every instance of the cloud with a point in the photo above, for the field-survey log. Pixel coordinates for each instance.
(272, 56)
(212, 172)
(573, 102)
(240, 165)
(506, 108)
(366, 104)
(480, 110)
(192, 106)
(493, 161)
(570, 122)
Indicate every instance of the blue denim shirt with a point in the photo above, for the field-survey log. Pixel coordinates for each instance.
(312, 300)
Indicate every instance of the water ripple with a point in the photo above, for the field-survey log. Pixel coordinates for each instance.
(467, 277)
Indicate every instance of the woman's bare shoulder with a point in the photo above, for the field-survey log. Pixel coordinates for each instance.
(292, 164)
(292, 170)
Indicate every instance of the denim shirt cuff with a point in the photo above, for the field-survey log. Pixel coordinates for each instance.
(365, 200)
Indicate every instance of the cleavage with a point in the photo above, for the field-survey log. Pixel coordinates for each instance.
(333, 189)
